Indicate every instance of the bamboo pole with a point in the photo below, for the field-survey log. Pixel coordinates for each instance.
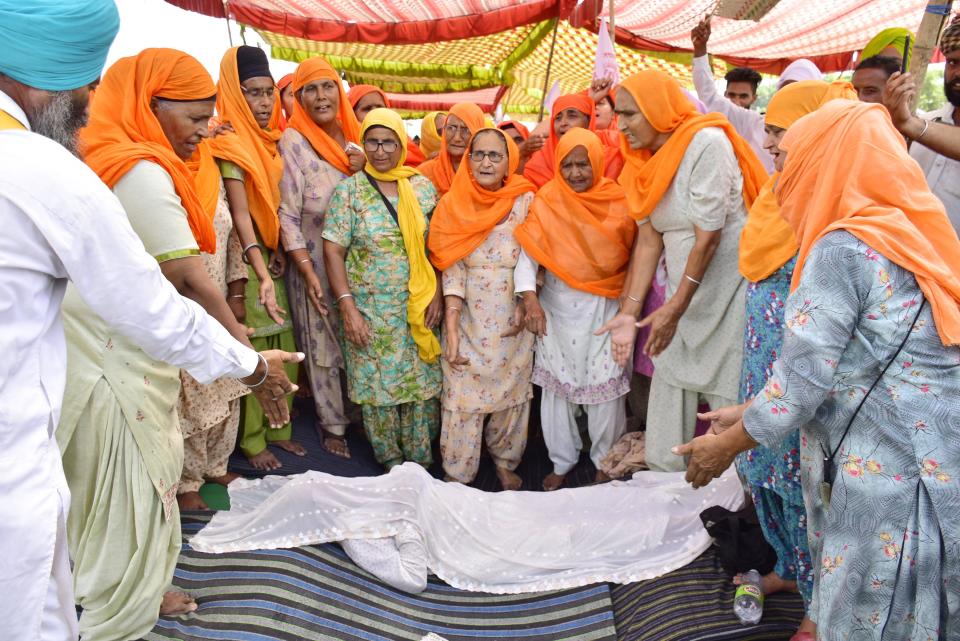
(226, 15)
(613, 31)
(928, 35)
(546, 78)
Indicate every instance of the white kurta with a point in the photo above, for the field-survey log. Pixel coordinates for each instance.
(747, 122)
(60, 223)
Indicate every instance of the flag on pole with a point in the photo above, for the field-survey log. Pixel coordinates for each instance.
(606, 65)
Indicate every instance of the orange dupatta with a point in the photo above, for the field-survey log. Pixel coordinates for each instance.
(583, 238)
(467, 213)
(830, 181)
(519, 126)
(311, 70)
(647, 177)
(767, 241)
(440, 169)
(540, 168)
(123, 130)
(252, 148)
(282, 84)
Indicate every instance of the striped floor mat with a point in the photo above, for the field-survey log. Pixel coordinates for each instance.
(695, 603)
(316, 592)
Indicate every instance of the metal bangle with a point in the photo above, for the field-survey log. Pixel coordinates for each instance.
(692, 279)
(243, 255)
(238, 295)
(635, 299)
(342, 296)
(303, 260)
(266, 372)
(926, 125)
(453, 308)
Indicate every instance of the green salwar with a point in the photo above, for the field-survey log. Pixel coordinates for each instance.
(402, 432)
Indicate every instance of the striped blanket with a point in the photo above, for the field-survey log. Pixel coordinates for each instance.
(316, 592)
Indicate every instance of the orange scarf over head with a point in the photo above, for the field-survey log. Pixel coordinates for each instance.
(252, 148)
(830, 181)
(540, 168)
(519, 126)
(356, 94)
(312, 70)
(647, 177)
(440, 170)
(582, 238)
(467, 213)
(767, 242)
(123, 130)
(282, 84)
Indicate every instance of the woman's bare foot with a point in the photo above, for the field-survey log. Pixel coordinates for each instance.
(336, 444)
(264, 461)
(509, 480)
(175, 602)
(226, 479)
(553, 481)
(291, 446)
(771, 583)
(601, 477)
(191, 501)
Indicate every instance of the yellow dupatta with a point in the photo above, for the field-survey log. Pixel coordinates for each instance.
(413, 226)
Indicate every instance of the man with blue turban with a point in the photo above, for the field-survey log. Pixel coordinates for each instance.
(61, 222)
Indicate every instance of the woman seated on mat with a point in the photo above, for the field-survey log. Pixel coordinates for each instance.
(488, 357)
(388, 294)
(869, 374)
(579, 230)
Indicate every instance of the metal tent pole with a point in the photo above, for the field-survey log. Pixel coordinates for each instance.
(546, 78)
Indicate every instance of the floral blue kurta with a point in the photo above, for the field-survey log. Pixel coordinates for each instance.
(773, 475)
(887, 547)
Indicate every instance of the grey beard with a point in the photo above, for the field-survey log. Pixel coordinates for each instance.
(60, 120)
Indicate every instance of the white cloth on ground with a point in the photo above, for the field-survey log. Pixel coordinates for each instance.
(60, 223)
(606, 423)
(498, 542)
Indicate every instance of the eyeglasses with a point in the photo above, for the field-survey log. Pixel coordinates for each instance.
(453, 130)
(388, 146)
(256, 94)
(494, 156)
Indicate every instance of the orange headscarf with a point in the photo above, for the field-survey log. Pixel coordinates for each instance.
(467, 214)
(311, 70)
(356, 94)
(440, 169)
(252, 148)
(830, 181)
(282, 84)
(519, 126)
(582, 238)
(767, 241)
(647, 177)
(123, 130)
(540, 168)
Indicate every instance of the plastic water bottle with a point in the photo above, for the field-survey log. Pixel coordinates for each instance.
(748, 601)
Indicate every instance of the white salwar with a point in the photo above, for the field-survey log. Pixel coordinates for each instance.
(60, 223)
(575, 368)
(497, 542)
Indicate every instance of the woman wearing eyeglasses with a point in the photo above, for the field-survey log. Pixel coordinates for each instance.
(319, 149)
(388, 294)
(487, 360)
(464, 120)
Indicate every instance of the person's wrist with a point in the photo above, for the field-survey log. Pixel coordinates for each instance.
(259, 375)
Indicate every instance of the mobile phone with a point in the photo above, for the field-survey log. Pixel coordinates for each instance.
(352, 146)
(906, 55)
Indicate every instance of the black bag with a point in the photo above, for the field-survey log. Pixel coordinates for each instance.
(739, 540)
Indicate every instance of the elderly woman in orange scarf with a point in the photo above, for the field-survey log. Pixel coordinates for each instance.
(868, 373)
(579, 230)
(319, 150)
(286, 99)
(689, 180)
(388, 294)
(366, 98)
(463, 120)
(768, 250)
(573, 110)
(486, 367)
(251, 169)
(119, 434)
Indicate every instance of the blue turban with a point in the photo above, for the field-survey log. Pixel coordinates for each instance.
(56, 45)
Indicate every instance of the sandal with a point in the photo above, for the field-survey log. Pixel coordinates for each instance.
(341, 439)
